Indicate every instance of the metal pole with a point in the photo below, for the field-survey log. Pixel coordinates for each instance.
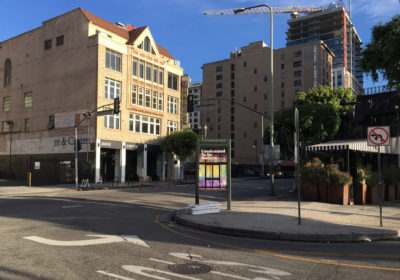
(87, 142)
(229, 175)
(11, 126)
(272, 189)
(196, 190)
(76, 156)
(398, 129)
(297, 148)
(380, 186)
(351, 47)
(262, 146)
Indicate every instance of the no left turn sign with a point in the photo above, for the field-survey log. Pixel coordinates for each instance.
(378, 136)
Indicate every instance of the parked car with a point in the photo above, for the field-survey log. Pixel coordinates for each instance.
(249, 172)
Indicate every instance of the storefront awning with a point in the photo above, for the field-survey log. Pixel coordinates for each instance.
(356, 145)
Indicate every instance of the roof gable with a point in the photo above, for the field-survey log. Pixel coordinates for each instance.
(130, 35)
(105, 24)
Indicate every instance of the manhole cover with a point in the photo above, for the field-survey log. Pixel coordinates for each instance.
(189, 268)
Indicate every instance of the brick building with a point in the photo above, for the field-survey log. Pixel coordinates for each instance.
(73, 64)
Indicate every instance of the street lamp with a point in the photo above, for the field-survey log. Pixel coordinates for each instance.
(10, 124)
(241, 10)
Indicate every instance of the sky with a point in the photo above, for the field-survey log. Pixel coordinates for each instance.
(180, 26)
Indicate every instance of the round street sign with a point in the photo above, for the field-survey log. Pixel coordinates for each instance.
(378, 136)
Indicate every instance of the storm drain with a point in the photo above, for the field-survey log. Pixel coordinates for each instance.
(190, 268)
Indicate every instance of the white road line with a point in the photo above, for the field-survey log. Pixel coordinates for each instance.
(161, 261)
(133, 200)
(71, 206)
(101, 239)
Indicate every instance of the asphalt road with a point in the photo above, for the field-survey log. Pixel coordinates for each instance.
(116, 234)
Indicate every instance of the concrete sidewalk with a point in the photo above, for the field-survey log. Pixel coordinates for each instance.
(320, 222)
(9, 187)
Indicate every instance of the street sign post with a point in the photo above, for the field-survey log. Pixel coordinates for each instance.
(213, 172)
(379, 136)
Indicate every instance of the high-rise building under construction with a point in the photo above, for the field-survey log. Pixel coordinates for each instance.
(334, 27)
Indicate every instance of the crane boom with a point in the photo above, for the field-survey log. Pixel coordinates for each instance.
(265, 10)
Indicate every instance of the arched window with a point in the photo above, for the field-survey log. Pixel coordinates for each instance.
(147, 44)
(7, 72)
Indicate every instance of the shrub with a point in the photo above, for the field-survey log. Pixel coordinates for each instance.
(390, 175)
(313, 172)
(371, 177)
(337, 177)
(361, 176)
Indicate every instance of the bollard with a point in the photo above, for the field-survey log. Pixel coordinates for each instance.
(160, 182)
(140, 183)
(29, 179)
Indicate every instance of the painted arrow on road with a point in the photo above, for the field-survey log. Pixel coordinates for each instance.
(103, 239)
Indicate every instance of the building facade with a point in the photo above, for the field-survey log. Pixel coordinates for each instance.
(334, 27)
(75, 63)
(185, 83)
(195, 117)
(241, 85)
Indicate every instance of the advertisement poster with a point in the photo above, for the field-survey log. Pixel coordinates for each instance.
(213, 173)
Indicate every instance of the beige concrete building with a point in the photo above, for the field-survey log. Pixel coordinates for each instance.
(243, 80)
(73, 64)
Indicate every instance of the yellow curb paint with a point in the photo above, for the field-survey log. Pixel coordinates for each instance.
(278, 254)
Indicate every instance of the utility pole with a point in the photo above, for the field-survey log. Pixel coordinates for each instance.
(86, 116)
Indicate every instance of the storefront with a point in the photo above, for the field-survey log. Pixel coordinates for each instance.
(125, 161)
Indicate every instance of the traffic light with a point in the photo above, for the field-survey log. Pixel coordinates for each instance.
(190, 104)
(116, 106)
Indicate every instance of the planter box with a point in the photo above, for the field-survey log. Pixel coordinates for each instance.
(310, 191)
(373, 194)
(360, 194)
(398, 191)
(322, 192)
(338, 194)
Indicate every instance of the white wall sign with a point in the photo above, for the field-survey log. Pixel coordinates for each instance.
(37, 164)
(48, 145)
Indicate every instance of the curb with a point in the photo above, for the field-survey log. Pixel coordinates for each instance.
(179, 217)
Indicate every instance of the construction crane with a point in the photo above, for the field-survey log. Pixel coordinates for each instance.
(293, 10)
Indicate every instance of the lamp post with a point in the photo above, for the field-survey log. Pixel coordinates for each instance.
(10, 124)
(237, 11)
(396, 107)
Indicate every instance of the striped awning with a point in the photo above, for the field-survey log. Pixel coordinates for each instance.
(356, 145)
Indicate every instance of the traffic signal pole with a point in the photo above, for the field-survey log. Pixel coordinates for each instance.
(76, 156)
(87, 115)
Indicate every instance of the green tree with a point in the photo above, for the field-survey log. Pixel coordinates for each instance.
(321, 111)
(180, 143)
(383, 53)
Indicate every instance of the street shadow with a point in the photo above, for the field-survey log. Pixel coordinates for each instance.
(103, 216)
(9, 273)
